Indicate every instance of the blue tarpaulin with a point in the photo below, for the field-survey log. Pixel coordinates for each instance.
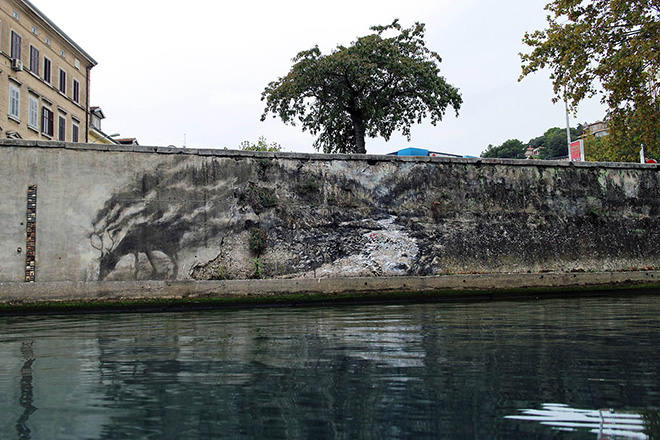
(412, 151)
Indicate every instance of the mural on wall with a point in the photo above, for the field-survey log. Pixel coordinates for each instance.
(311, 221)
(141, 229)
(245, 217)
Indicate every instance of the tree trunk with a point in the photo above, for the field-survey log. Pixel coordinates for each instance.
(359, 131)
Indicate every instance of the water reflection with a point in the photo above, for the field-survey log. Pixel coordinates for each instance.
(355, 372)
(27, 392)
(604, 423)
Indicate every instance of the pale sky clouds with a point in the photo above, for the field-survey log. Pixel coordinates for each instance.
(197, 68)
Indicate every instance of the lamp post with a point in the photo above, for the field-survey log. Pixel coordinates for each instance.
(568, 126)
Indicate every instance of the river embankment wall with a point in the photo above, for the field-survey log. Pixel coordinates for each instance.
(90, 213)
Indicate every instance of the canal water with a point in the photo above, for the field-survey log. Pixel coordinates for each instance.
(585, 368)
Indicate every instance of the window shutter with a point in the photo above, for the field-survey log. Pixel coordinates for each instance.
(47, 122)
(62, 129)
(76, 91)
(62, 81)
(47, 69)
(34, 59)
(15, 45)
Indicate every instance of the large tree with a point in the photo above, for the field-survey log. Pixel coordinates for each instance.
(601, 149)
(605, 46)
(554, 142)
(511, 149)
(373, 87)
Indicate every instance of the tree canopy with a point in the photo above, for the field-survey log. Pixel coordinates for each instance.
(552, 144)
(374, 87)
(602, 149)
(608, 47)
(511, 149)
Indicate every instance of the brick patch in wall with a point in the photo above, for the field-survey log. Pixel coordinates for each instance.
(31, 233)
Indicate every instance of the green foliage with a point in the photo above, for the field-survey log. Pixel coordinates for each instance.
(258, 269)
(309, 186)
(512, 149)
(608, 47)
(259, 198)
(553, 142)
(374, 87)
(261, 145)
(258, 241)
(602, 149)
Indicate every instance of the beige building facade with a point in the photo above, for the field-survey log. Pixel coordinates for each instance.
(44, 77)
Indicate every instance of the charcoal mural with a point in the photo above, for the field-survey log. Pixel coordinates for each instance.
(311, 221)
(253, 217)
(142, 229)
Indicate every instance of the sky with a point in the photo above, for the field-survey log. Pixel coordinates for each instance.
(191, 74)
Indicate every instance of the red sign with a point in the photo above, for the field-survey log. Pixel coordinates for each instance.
(576, 152)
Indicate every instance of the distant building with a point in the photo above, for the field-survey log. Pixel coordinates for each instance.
(44, 77)
(598, 129)
(98, 136)
(533, 153)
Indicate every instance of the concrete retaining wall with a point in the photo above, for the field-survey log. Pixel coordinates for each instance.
(141, 294)
(143, 213)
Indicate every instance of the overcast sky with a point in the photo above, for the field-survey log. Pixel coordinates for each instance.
(194, 71)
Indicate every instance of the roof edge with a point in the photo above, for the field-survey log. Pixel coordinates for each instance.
(59, 31)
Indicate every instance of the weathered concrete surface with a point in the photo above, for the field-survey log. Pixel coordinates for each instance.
(145, 213)
(491, 286)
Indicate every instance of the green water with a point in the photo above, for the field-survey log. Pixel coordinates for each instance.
(416, 371)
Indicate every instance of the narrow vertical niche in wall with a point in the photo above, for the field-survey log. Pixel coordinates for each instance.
(31, 234)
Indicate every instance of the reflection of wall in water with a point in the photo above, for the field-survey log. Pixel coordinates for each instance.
(47, 374)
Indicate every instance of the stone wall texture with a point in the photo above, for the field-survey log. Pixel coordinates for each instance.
(146, 213)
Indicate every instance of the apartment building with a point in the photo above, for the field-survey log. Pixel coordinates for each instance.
(598, 129)
(44, 77)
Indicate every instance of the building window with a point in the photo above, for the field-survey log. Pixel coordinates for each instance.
(75, 133)
(35, 31)
(47, 68)
(77, 63)
(63, 53)
(17, 16)
(15, 45)
(33, 119)
(62, 81)
(76, 91)
(62, 129)
(34, 60)
(14, 101)
(47, 41)
(47, 122)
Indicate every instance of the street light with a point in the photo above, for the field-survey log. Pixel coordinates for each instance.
(568, 126)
